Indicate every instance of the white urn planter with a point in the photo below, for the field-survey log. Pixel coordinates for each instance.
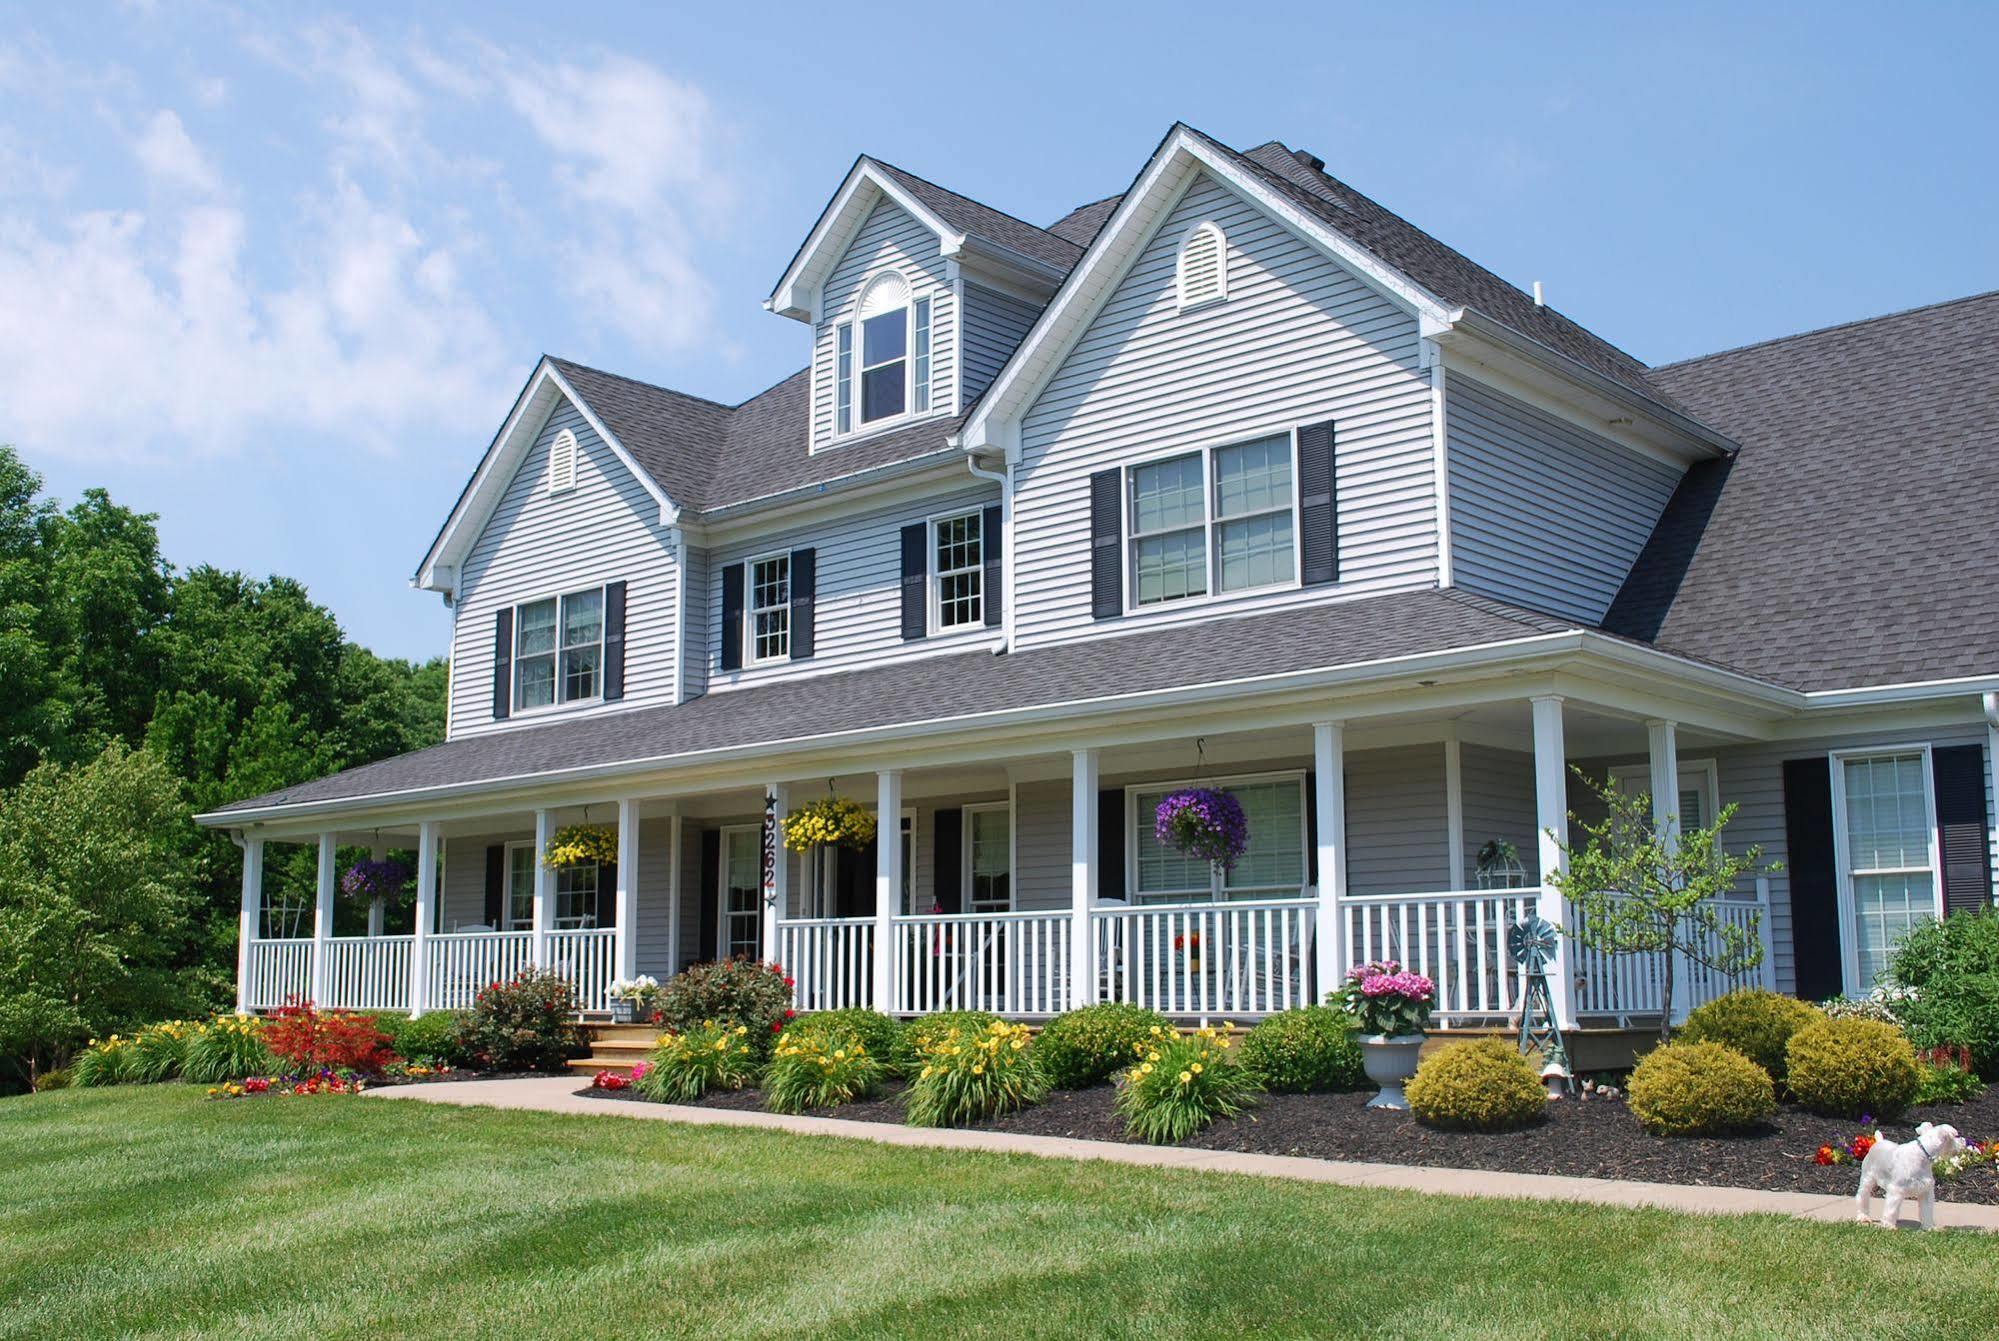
(1390, 1060)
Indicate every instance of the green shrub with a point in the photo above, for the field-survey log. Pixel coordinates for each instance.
(431, 1039)
(1755, 1023)
(228, 1047)
(1699, 1089)
(1084, 1047)
(527, 1024)
(1478, 1085)
(1177, 1084)
(1947, 1083)
(968, 1073)
(819, 1067)
(1847, 1068)
(58, 1079)
(713, 1055)
(1305, 1049)
(1960, 945)
(883, 1034)
(1956, 1010)
(104, 1062)
(744, 991)
(156, 1052)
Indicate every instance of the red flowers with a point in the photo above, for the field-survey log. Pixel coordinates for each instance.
(608, 1080)
(257, 1085)
(1858, 1147)
(1826, 1155)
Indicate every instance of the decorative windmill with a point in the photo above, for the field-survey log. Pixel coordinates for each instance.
(1532, 942)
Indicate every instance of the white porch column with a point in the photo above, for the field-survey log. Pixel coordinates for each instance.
(673, 839)
(1330, 801)
(1083, 779)
(626, 936)
(249, 917)
(1664, 740)
(776, 867)
(322, 922)
(888, 884)
(544, 887)
(426, 916)
(378, 851)
(1551, 824)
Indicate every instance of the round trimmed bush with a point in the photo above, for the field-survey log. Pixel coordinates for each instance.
(1699, 1089)
(1847, 1068)
(1309, 1048)
(1084, 1047)
(1755, 1023)
(1481, 1085)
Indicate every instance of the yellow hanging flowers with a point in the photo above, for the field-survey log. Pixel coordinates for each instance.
(581, 845)
(832, 821)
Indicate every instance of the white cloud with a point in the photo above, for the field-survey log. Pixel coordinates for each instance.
(170, 157)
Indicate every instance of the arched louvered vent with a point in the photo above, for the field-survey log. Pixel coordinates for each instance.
(885, 293)
(1204, 269)
(562, 462)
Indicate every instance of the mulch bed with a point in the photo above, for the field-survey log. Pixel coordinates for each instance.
(444, 1077)
(1595, 1138)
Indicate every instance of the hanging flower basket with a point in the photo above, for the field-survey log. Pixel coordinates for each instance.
(1199, 822)
(582, 845)
(375, 879)
(832, 821)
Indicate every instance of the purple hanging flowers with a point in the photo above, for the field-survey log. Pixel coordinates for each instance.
(375, 879)
(1200, 822)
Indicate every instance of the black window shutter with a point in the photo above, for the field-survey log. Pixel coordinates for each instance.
(503, 663)
(1312, 833)
(1107, 545)
(711, 894)
(496, 886)
(1318, 506)
(732, 617)
(950, 828)
(992, 586)
(614, 642)
(1959, 774)
(804, 596)
(915, 571)
(607, 894)
(1815, 929)
(1110, 843)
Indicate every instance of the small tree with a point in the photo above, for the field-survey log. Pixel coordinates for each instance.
(1635, 892)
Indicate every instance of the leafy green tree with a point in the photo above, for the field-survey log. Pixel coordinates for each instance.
(1637, 891)
(95, 905)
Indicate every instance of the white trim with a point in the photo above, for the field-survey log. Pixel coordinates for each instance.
(563, 454)
(858, 428)
(1210, 524)
(834, 232)
(722, 914)
(1440, 449)
(1218, 891)
(933, 576)
(506, 920)
(751, 660)
(966, 812)
(1849, 926)
(557, 703)
(1208, 228)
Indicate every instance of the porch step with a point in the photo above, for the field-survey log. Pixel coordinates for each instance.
(614, 1047)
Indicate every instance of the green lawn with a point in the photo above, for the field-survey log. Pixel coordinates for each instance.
(148, 1212)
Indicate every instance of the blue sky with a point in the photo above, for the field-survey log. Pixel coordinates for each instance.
(276, 273)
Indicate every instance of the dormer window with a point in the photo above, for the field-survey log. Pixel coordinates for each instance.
(562, 463)
(1204, 266)
(893, 335)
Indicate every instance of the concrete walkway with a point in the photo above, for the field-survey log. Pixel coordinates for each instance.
(559, 1094)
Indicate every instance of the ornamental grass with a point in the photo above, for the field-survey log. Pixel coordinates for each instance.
(969, 1074)
(228, 1047)
(1179, 1083)
(156, 1052)
(104, 1062)
(819, 1067)
(714, 1055)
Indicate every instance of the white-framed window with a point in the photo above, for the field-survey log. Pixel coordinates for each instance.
(1273, 866)
(576, 897)
(742, 892)
(919, 342)
(768, 629)
(843, 378)
(890, 337)
(1218, 519)
(1885, 843)
(1203, 270)
(988, 858)
(562, 462)
(518, 915)
(559, 650)
(957, 571)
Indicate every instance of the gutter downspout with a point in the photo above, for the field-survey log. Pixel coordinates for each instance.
(1992, 766)
(1003, 478)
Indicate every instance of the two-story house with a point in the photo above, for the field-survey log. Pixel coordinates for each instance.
(1235, 479)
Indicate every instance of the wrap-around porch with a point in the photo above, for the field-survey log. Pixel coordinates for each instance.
(1029, 884)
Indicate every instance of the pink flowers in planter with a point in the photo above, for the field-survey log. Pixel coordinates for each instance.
(1385, 998)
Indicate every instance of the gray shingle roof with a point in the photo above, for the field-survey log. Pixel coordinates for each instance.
(1850, 541)
(913, 692)
(983, 221)
(1082, 224)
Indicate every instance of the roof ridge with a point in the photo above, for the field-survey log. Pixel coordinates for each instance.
(1895, 315)
(1088, 204)
(758, 395)
(638, 381)
(969, 200)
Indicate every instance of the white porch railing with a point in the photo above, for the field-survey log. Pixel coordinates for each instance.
(589, 960)
(831, 961)
(1635, 984)
(279, 970)
(1207, 958)
(463, 962)
(1008, 963)
(1457, 940)
(368, 972)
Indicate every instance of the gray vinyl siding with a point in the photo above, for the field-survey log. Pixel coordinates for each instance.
(537, 545)
(465, 877)
(1298, 340)
(858, 617)
(1042, 848)
(655, 949)
(1497, 790)
(1543, 514)
(889, 239)
(1398, 832)
(995, 324)
(696, 627)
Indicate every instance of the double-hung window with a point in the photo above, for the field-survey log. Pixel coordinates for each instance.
(1886, 828)
(890, 337)
(742, 892)
(989, 858)
(1273, 866)
(958, 571)
(576, 897)
(1213, 520)
(519, 912)
(770, 609)
(559, 649)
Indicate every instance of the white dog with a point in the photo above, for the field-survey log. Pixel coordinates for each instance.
(1904, 1169)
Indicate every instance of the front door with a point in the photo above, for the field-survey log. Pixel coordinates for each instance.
(742, 892)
